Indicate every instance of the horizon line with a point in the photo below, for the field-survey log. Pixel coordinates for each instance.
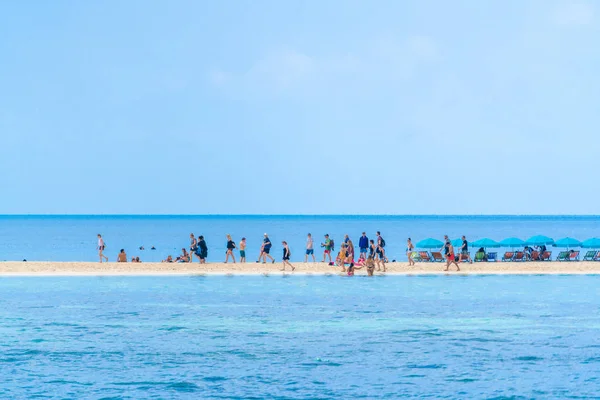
(293, 215)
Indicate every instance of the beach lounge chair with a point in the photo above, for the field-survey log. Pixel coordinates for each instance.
(597, 257)
(574, 256)
(480, 257)
(463, 257)
(563, 256)
(492, 257)
(437, 256)
(415, 256)
(590, 255)
(547, 256)
(508, 256)
(519, 256)
(535, 256)
(425, 257)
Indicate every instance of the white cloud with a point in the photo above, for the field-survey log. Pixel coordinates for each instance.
(573, 13)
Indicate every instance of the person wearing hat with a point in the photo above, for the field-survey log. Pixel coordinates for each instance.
(327, 246)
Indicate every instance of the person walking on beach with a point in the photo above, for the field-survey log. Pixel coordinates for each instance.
(101, 246)
(409, 250)
(380, 250)
(449, 252)
(230, 248)
(193, 245)
(310, 248)
(464, 250)
(373, 254)
(265, 249)
(202, 250)
(286, 256)
(243, 250)
(363, 244)
(327, 246)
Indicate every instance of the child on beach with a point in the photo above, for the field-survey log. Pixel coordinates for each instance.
(243, 250)
(230, 247)
(101, 247)
(286, 256)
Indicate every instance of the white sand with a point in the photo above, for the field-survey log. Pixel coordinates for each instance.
(402, 268)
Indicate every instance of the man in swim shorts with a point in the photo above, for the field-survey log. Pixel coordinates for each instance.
(327, 246)
(242, 247)
(310, 250)
(363, 245)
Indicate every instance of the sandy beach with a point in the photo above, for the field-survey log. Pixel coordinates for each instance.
(107, 269)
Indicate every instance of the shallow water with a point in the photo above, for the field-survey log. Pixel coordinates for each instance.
(300, 337)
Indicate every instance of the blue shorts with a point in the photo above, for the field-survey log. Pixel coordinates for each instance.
(310, 251)
(364, 250)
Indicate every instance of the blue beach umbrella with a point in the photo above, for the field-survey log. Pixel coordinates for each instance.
(539, 240)
(457, 243)
(567, 242)
(485, 243)
(512, 242)
(593, 243)
(430, 243)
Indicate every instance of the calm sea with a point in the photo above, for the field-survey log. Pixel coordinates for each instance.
(73, 238)
(243, 337)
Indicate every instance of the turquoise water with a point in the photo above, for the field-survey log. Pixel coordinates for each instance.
(73, 238)
(248, 337)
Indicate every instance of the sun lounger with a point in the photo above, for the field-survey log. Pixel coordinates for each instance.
(424, 256)
(563, 256)
(437, 256)
(535, 256)
(590, 255)
(574, 256)
(597, 257)
(480, 257)
(415, 256)
(492, 257)
(519, 256)
(508, 256)
(463, 257)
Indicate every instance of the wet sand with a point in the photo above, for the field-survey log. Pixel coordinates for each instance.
(402, 268)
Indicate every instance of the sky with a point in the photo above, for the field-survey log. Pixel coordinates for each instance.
(299, 107)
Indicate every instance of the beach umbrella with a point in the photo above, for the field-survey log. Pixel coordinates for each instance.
(458, 243)
(567, 242)
(485, 243)
(512, 242)
(430, 243)
(593, 243)
(539, 240)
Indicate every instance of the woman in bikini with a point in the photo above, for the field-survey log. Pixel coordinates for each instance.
(409, 250)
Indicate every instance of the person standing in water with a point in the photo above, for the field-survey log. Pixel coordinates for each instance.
(230, 248)
(310, 248)
(409, 250)
(286, 256)
(243, 250)
(101, 246)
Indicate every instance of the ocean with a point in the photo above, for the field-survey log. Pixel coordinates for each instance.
(255, 337)
(73, 238)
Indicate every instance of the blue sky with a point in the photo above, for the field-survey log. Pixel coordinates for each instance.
(338, 107)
